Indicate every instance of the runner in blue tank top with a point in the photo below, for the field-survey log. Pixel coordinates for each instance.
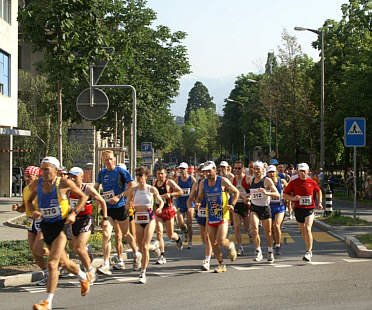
(115, 182)
(53, 207)
(215, 188)
(277, 207)
(201, 218)
(185, 181)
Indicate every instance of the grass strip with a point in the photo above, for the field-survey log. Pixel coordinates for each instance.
(337, 219)
(366, 239)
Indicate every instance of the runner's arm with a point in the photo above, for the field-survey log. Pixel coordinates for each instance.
(319, 197)
(28, 202)
(269, 185)
(94, 194)
(176, 190)
(200, 197)
(158, 199)
(68, 185)
(192, 195)
(225, 182)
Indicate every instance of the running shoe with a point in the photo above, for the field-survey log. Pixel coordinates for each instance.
(43, 281)
(220, 268)
(142, 278)
(119, 266)
(105, 269)
(277, 250)
(205, 265)
(179, 243)
(270, 257)
(258, 257)
(137, 261)
(156, 249)
(44, 305)
(161, 261)
(232, 252)
(185, 235)
(189, 245)
(240, 251)
(307, 257)
(85, 285)
(63, 273)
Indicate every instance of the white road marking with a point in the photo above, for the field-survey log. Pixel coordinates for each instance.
(126, 279)
(246, 268)
(321, 263)
(281, 266)
(354, 260)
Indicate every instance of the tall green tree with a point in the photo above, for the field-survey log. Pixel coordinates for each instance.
(199, 98)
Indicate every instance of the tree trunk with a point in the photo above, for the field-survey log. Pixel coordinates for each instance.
(59, 135)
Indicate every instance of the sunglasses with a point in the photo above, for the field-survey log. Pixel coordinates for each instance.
(182, 168)
(238, 168)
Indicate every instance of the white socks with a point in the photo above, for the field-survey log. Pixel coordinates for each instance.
(82, 275)
(49, 299)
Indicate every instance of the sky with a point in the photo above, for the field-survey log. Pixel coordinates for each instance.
(229, 38)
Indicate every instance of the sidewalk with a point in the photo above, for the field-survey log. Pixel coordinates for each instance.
(10, 233)
(348, 233)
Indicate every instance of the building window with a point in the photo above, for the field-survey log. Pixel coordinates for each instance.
(5, 10)
(4, 74)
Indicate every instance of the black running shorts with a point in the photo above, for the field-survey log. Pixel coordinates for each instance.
(241, 208)
(119, 214)
(302, 213)
(263, 212)
(51, 230)
(83, 224)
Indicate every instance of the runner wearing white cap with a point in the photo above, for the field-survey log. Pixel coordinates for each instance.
(185, 181)
(277, 207)
(261, 190)
(84, 224)
(214, 188)
(301, 191)
(224, 165)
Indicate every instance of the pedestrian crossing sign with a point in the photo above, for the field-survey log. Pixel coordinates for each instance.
(355, 131)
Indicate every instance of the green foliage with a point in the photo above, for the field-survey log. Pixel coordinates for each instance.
(366, 239)
(199, 98)
(15, 253)
(337, 219)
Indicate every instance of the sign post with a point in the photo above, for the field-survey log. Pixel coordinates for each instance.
(355, 136)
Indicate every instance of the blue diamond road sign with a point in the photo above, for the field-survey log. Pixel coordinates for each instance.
(355, 131)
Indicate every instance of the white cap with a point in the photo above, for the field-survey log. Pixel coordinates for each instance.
(224, 164)
(183, 165)
(303, 166)
(51, 160)
(124, 166)
(208, 165)
(76, 171)
(258, 164)
(271, 168)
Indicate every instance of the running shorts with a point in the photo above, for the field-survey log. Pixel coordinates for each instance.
(52, 230)
(167, 214)
(302, 213)
(119, 214)
(277, 209)
(263, 212)
(241, 209)
(83, 224)
(33, 225)
(200, 220)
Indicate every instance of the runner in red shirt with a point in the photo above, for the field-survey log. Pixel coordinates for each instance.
(301, 191)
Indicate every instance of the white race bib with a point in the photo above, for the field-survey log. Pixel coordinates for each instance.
(256, 195)
(306, 201)
(108, 195)
(186, 192)
(52, 212)
(141, 217)
(202, 212)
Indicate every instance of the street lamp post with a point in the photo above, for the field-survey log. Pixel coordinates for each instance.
(320, 33)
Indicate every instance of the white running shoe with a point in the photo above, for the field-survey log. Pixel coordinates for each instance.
(161, 261)
(258, 257)
(307, 257)
(205, 265)
(270, 257)
(156, 248)
(142, 278)
(120, 265)
(105, 269)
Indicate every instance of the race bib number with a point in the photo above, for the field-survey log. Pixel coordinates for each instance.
(216, 210)
(141, 217)
(52, 212)
(108, 195)
(256, 195)
(186, 192)
(306, 201)
(201, 212)
(74, 203)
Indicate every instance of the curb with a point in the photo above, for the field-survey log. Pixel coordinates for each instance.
(359, 249)
(11, 224)
(31, 277)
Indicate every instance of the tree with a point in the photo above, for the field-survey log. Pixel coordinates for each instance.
(199, 98)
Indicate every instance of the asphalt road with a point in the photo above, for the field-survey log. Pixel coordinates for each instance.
(333, 280)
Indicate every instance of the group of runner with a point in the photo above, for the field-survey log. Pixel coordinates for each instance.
(56, 203)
